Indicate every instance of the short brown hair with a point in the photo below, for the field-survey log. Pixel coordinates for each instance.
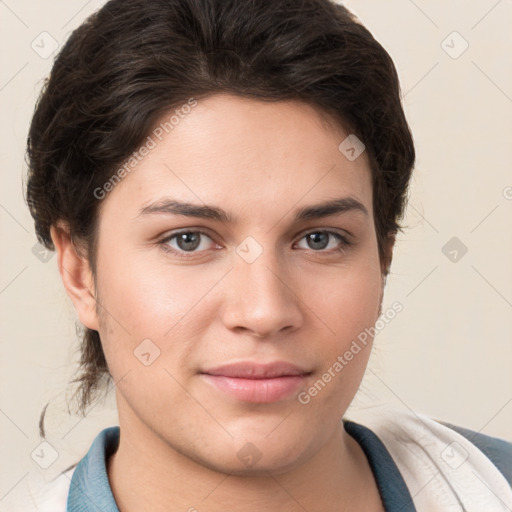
(134, 60)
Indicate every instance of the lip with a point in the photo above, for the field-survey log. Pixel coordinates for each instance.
(256, 382)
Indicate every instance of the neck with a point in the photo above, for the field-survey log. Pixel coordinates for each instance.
(146, 473)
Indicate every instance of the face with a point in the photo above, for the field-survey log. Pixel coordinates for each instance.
(225, 328)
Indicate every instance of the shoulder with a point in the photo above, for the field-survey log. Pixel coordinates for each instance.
(52, 497)
(443, 464)
(498, 450)
(403, 427)
(88, 473)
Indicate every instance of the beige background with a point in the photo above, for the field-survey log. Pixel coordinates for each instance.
(448, 354)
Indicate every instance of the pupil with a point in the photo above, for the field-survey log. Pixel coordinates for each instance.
(188, 241)
(315, 238)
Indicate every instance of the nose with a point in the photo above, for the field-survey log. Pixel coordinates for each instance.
(261, 298)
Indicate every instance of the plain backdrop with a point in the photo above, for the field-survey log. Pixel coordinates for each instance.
(447, 354)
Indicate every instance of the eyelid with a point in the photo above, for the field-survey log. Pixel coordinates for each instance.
(344, 240)
(205, 231)
(338, 231)
(171, 234)
(343, 236)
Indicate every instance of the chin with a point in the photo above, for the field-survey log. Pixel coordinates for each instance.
(257, 463)
(256, 454)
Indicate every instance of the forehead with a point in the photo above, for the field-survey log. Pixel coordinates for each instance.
(248, 153)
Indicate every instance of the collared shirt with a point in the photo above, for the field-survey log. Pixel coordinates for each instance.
(89, 489)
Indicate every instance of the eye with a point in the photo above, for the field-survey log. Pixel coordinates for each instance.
(185, 242)
(320, 240)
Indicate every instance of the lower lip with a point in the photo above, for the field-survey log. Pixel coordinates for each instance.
(257, 390)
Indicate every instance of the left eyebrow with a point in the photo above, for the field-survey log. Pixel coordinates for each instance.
(171, 206)
(341, 205)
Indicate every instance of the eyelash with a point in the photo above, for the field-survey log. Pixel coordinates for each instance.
(345, 243)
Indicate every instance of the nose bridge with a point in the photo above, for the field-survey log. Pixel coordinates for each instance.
(261, 298)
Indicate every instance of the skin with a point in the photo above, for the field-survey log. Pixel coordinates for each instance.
(296, 302)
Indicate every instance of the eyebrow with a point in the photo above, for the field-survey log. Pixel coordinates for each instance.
(171, 206)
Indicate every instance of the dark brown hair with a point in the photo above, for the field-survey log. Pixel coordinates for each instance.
(135, 60)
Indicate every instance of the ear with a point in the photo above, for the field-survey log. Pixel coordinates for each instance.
(388, 255)
(386, 264)
(76, 275)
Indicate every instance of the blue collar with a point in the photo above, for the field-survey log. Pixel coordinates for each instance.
(90, 489)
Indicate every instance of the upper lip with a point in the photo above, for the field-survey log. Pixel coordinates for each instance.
(253, 370)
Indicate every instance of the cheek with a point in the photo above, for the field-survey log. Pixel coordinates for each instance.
(148, 333)
(349, 301)
(348, 309)
(146, 301)
(149, 296)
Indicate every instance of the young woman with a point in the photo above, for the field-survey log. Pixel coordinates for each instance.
(223, 181)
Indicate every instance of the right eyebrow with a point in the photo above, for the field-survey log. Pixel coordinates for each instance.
(173, 207)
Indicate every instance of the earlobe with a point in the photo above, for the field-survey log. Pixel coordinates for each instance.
(386, 264)
(388, 256)
(76, 275)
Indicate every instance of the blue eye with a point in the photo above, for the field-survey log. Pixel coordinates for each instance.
(320, 240)
(186, 244)
(186, 241)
